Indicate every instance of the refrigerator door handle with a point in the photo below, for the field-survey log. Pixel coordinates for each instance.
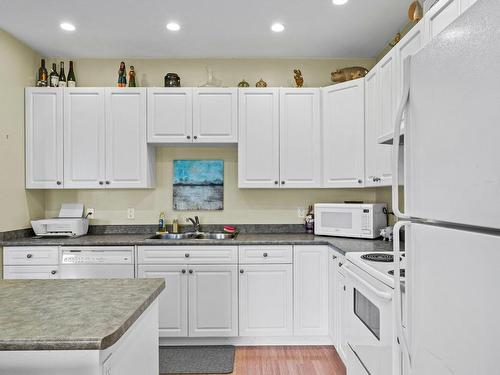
(398, 297)
(395, 141)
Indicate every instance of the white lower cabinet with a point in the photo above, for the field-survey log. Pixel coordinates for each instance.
(310, 290)
(173, 316)
(30, 272)
(265, 300)
(213, 300)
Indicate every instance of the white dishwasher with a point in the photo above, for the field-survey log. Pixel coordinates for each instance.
(97, 262)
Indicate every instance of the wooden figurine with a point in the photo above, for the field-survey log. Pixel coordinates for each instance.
(122, 75)
(347, 74)
(131, 77)
(243, 84)
(299, 80)
(261, 83)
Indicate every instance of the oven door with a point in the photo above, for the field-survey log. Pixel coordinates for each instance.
(368, 324)
(339, 221)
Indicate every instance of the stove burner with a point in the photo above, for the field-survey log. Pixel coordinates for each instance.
(401, 273)
(377, 257)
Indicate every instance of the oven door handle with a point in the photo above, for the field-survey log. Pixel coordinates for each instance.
(383, 295)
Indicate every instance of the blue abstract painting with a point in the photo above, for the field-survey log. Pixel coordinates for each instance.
(198, 185)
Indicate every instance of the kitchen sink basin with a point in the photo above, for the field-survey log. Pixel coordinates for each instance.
(195, 236)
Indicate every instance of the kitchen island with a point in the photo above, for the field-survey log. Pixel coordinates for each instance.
(91, 327)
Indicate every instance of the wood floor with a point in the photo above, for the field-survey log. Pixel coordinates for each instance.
(287, 360)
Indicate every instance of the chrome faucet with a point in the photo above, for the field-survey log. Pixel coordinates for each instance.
(195, 222)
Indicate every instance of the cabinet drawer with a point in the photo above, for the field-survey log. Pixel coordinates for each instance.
(188, 254)
(258, 254)
(27, 255)
(30, 272)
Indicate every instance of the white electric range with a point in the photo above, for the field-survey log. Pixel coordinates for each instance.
(368, 314)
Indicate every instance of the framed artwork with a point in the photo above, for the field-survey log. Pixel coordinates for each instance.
(198, 185)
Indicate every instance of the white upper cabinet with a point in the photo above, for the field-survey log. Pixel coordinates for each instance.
(258, 145)
(170, 115)
(343, 134)
(300, 138)
(44, 138)
(215, 115)
(84, 138)
(387, 81)
(127, 155)
(439, 16)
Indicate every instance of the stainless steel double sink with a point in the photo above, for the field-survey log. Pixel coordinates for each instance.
(195, 236)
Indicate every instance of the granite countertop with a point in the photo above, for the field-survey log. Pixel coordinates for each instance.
(71, 314)
(340, 244)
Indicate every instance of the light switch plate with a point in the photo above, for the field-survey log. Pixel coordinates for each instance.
(130, 213)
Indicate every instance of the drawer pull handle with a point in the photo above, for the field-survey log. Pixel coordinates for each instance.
(190, 271)
(53, 272)
(265, 255)
(242, 271)
(29, 256)
(183, 271)
(186, 255)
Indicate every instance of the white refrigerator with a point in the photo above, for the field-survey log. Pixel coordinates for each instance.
(450, 323)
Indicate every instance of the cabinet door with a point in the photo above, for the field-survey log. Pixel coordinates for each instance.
(333, 260)
(387, 82)
(300, 139)
(215, 115)
(173, 301)
(341, 316)
(344, 134)
(372, 128)
(30, 272)
(258, 145)
(408, 46)
(44, 138)
(213, 300)
(128, 160)
(84, 138)
(266, 300)
(439, 16)
(310, 290)
(170, 115)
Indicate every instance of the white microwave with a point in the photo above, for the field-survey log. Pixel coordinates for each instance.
(350, 220)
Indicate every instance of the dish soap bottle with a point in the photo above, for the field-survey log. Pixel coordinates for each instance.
(175, 226)
(161, 222)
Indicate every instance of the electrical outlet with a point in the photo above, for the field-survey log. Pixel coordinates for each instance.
(130, 213)
(89, 213)
(301, 212)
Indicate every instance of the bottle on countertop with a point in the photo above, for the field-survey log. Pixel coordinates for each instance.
(175, 226)
(309, 220)
(42, 75)
(161, 222)
(71, 76)
(54, 77)
(62, 77)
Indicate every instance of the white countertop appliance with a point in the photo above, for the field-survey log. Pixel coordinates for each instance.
(368, 316)
(350, 220)
(69, 223)
(452, 200)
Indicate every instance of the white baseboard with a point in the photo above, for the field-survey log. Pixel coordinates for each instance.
(247, 341)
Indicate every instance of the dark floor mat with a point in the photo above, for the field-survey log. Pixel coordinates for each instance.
(196, 359)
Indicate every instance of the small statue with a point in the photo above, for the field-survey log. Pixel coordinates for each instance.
(387, 233)
(122, 75)
(261, 83)
(299, 80)
(243, 83)
(131, 77)
(347, 74)
(396, 40)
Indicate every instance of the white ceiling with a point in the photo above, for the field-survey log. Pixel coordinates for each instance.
(209, 28)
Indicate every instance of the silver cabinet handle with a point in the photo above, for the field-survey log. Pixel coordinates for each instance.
(190, 271)
(360, 181)
(282, 182)
(242, 271)
(188, 137)
(107, 182)
(58, 182)
(101, 182)
(29, 256)
(53, 272)
(276, 182)
(183, 271)
(186, 255)
(195, 137)
(264, 255)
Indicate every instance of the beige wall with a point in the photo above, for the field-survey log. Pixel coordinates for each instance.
(240, 205)
(150, 72)
(17, 71)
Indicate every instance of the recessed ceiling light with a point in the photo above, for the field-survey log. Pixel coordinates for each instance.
(277, 27)
(67, 26)
(339, 2)
(172, 26)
